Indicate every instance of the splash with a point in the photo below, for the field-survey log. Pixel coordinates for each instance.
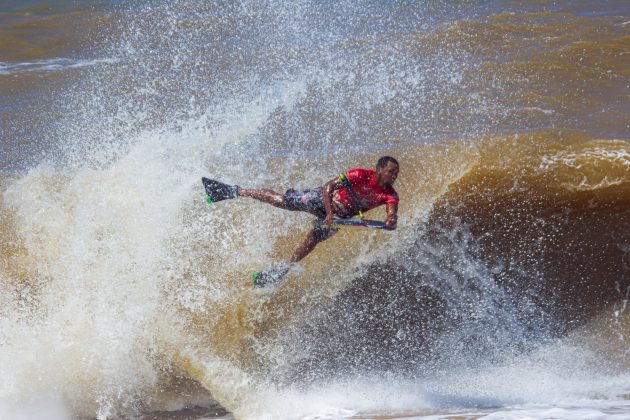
(118, 281)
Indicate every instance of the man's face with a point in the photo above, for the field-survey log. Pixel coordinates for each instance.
(387, 174)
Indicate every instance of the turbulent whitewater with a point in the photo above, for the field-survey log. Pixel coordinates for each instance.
(503, 292)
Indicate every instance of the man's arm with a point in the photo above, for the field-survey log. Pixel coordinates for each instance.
(392, 216)
(329, 189)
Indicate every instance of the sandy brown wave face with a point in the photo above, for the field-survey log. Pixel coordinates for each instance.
(529, 241)
(557, 206)
(499, 242)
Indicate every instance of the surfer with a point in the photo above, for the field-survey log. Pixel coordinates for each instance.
(352, 193)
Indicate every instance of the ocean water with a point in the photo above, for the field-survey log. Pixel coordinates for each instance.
(502, 294)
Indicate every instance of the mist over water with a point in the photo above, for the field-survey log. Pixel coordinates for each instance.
(503, 291)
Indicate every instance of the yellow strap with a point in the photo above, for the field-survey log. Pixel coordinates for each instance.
(346, 183)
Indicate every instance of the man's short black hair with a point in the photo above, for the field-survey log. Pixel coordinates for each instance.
(384, 160)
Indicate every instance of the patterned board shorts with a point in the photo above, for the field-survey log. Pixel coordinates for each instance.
(311, 201)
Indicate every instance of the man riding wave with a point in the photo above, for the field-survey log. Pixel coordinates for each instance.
(348, 195)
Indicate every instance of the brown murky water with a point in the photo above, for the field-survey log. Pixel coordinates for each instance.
(502, 292)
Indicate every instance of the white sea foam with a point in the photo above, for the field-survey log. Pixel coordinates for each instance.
(540, 110)
(559, 381)
(51, 409)
(100, 241)
(51, 65)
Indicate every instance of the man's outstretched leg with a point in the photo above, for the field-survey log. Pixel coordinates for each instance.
(265, 195)
(218, 191)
